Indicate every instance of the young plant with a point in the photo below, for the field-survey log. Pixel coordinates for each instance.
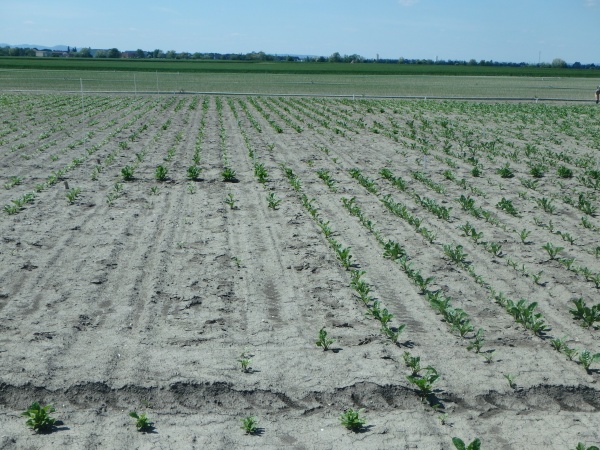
(249, 424)
(508, 207)
(570, 353)
(141, 421)
(193, 172)
(477, 341)
(558, 343)
(230, 200)
(552, 250)
(582, 446)
(127, 173)
(537, 277)
(456, 254)
(361, 287)
(537, 171)
(511, 380)
(261, 173)
(426, 381)
(11, 209)
(442, 418)
(525, 315)
(463, 327)
(421, 281)
(161, 173)
(412, 362)
(460, 445)
(381, 314)
(344, 256)
(565, 172)
(470, 231)
(393, 250)
(587, 359)
(323, 340)
(588, 315)
(38, 417)
(505, 171)
(524, 234)
(391, 334)
(546, 205)
(72, 195)
(229, 175)
(273, 201)
(495, 248)
(245, 361)
(488, 356)
(351, 419)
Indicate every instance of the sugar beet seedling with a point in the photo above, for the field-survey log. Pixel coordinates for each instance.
(38, 417)
(323, 341)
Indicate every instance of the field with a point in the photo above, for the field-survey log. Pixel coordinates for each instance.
(178, 255)
(298, 78)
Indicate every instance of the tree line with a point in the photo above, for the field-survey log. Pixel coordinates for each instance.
(336, 57)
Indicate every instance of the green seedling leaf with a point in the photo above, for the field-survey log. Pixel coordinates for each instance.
(323, 340)
(351, 419)
(38, 417)
(142, 422)
(249, 424)
(460, 445)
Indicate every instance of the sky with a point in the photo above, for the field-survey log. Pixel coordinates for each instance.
(528, 31)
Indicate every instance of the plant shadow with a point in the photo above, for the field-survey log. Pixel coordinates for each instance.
(434, 401)
(407, 344)
(363, 429)
(148, 429)
(257, 432)
(59, 425)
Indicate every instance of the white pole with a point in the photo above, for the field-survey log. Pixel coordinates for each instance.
(82, 104)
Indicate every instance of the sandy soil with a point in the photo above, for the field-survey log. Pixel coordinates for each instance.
(146, 302)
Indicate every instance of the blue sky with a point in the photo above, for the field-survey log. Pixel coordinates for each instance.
(499, 30)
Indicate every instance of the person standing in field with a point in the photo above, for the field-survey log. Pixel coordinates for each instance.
(597, 94)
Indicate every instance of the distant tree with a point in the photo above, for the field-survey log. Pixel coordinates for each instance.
(353, 58)
(139, 53)
(171, 54)
(74, 49)
(576, 65)
(84, 53)
(557, 62)
(113, 53)
(158, 53)
(101, 54)
(335, 57)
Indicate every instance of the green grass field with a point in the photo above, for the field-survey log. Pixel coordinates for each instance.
(204, 66)
(165, 76)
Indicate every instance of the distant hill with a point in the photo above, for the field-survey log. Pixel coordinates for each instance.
(62, 48)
